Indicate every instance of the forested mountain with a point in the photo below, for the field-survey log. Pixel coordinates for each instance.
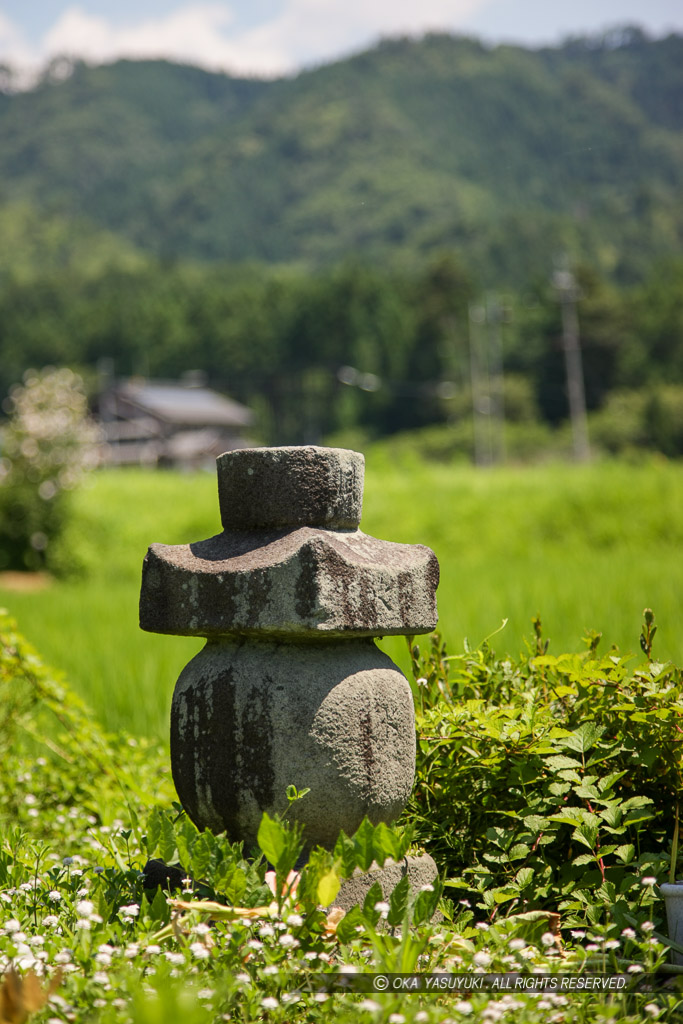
(503, 154)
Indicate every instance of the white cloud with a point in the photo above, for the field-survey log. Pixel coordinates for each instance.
(13, 46)
(304, 32)
(308, 31)
(195, 33)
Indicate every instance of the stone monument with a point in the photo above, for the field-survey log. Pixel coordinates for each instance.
(290, 688)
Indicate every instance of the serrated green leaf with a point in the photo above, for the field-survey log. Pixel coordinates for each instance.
(535, 822)
(587, 834)
(328, 887)
(504, 895)
(559, 788)
(153, 831)
(524, 877)
(611, 815)
(167, 839)
(373, 896)
(186, 834)
(386, 843)
(519, 851)
(398, 902)
(202, 855)
(608, 782)
(426, 903)
(345, 855)
(583, 738)
(346, 929)
(229, 879)
(559, 761)
(626, 853)
(586, 792)
(159, 909)
(272, 839)
(635, 802)
(364, 845)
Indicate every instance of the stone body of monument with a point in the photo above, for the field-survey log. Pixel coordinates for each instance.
(290, 688)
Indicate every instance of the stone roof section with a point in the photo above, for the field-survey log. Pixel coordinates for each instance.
(333, 583)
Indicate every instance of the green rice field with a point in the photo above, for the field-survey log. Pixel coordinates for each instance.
(585, 547)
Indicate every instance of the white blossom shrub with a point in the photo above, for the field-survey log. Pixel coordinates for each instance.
(47, 445)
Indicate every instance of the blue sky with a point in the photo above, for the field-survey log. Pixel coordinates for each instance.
(270, 37)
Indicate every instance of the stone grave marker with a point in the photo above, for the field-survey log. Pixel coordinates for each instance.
(290, 688)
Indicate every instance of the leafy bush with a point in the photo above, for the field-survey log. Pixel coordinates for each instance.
(46, 447)
(552, 782)
(646, 420)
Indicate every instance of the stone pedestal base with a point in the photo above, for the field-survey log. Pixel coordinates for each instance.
(420, 870)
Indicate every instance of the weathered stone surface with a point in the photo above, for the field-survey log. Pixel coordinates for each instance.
(250, 718)
(288, 690)
(420, 870)
(267, 488)
(304, 582)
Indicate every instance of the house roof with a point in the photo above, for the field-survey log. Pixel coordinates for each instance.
(187, 406)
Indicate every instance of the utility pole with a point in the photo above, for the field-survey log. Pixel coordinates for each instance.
(567, 293)
(486, 374)
(479, 378)
(495, 313)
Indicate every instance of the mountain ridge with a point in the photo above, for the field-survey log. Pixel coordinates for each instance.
(505, 154)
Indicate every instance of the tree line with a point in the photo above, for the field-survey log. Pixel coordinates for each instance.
(351, 346)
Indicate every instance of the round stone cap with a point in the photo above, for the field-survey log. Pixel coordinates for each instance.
(294, 486)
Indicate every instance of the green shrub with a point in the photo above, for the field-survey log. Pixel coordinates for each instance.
(45, 448)
(550, 782)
